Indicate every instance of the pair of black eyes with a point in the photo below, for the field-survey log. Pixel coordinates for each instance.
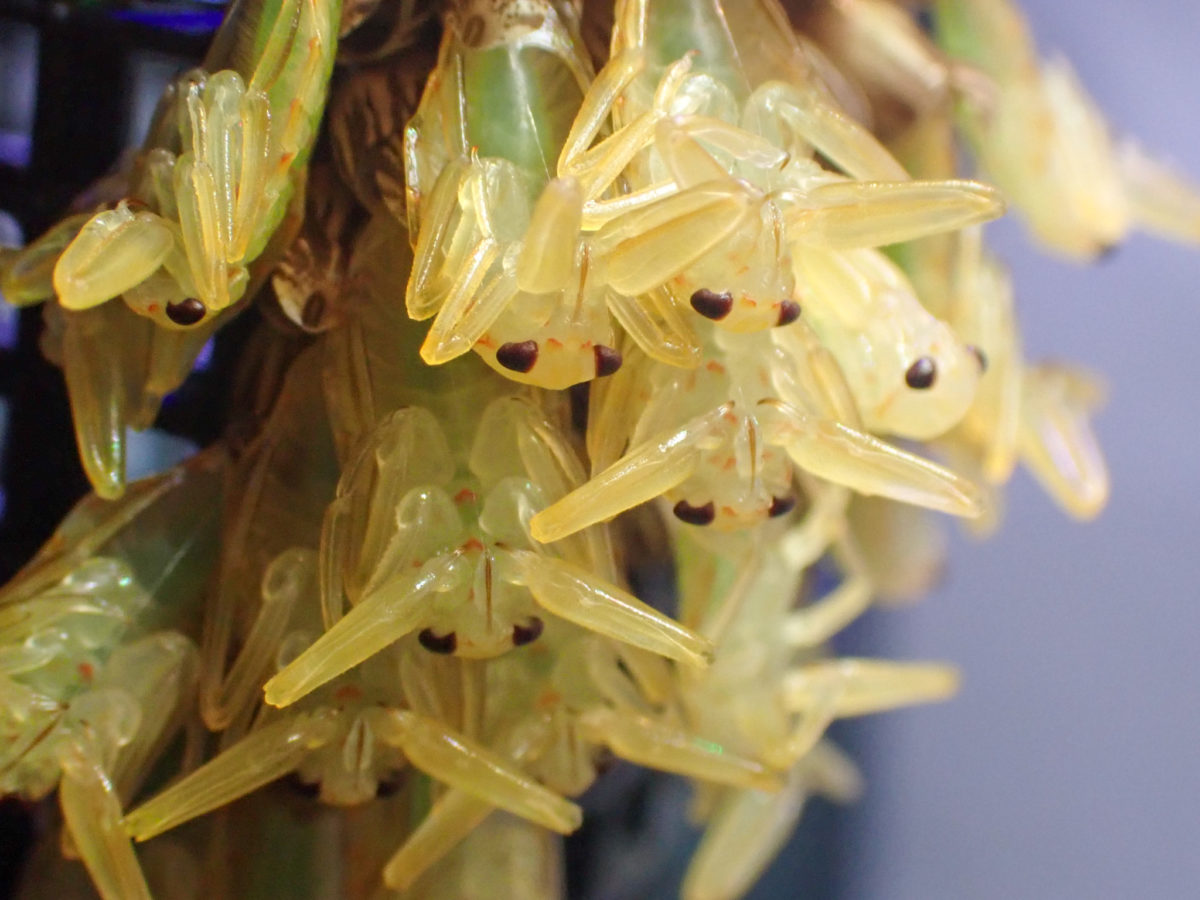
(704, 515)
(521, 356)
(716, 306)
(448, 643)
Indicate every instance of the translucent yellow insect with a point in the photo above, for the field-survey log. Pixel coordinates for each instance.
(217, 180)
(721, 441)
(731, 173)
(428, 534)
(1038, 134)
(217, 173)
(772, 692)
(552, 709)
(97, 672)
(497, 202)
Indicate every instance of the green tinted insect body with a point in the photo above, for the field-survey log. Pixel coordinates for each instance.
(97, 673)
(502, 206)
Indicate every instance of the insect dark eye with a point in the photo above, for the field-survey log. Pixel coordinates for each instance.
(695, 515)
(527, 634)
(781, 506)
(437, 643)
(789, 312)
(608, 360)
(186, 312)
(518, 357)
(712, 305)
(921, 374)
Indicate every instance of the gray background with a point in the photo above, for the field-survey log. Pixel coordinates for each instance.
(1067, 767)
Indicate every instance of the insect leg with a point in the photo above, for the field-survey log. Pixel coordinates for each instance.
(395, 609)
(836, 135)
(646, 742)
(647, 471)
(116, 250)
(259, 758)
(578, 596)
(849, 214)
(462, 763)
(454, 816)
(868, 465)
(92, 812)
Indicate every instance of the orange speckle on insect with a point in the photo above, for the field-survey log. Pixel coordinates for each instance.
(715, 367)
(466, 495)
(86, 671)
(473, 544)
(555, 343)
